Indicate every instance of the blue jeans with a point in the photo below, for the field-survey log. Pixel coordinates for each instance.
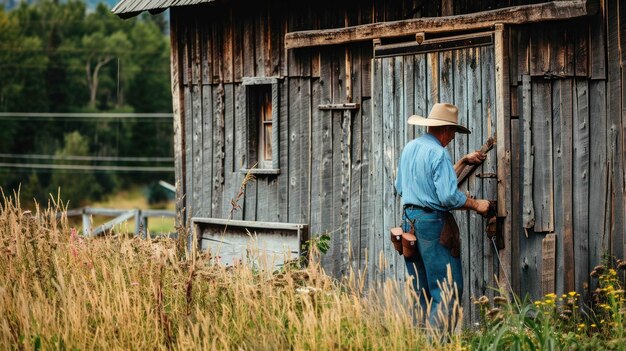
(430, 264)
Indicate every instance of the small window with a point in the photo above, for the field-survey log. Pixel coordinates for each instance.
(262, 122)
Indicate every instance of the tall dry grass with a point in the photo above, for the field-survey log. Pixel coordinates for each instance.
(61, 291)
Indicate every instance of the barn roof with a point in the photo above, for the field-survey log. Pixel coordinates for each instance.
(131, 8)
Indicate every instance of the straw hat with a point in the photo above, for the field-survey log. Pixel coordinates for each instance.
(442, 114)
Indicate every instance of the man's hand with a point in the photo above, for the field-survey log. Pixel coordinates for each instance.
(480, 206)
(475, 157)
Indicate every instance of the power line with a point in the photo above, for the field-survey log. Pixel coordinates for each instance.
(94, 115)
(87, 158)
(87, 167)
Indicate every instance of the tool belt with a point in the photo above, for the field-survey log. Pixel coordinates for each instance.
(450, 237)
(405, 243)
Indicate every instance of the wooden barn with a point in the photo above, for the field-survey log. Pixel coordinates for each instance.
(312, 97)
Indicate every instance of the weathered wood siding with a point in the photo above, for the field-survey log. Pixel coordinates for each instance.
(564, 110)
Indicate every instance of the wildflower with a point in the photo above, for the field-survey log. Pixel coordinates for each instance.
(597, 271)
(572, 293)
(538, 303)
(593, 325)
(483, 300)
(612, 272)
(551, 296)
(493, 312)
(500, 300)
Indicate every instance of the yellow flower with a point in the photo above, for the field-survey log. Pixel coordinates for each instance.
(538, 303)
(563, 296)
(593, 325)
(572, 293)
(551, 296)
(612, 272)
(549, 302)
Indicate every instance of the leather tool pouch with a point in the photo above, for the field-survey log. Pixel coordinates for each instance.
(450, 237)
(396, 238)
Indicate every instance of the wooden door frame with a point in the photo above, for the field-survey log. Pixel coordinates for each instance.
(503, 149)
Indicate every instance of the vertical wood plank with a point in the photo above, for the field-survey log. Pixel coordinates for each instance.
(487, 66)
(516, 201)
(615, 131)
(230, 186)
(366, 69)
(542, 137)
(196, 155)
(598, 188)
(432, 79)
(528, 210)
(367, 219)
(207, 149)
(558, 51)
(248, 41)
(376, 165)
(178, 111)
(189, 151)
(597, 44)
(548, 256)
(295, 148)
(305, 153)
(327, 215)
(388, 116)
(260, 41)
(563, 153)
(503, 146)
(339, 176)
(356, 151)
(421, 92)
(238, 52)
(285, 119)
(239, 146)
(316, 158)
(539, 50)
(523, 52)
(459, 96)
(472, 250)
(218, 151)
(581, 47)
(227, 51)
(399, 140)
(581, 182)
(205, 52)
(217, 51)
(275, 37)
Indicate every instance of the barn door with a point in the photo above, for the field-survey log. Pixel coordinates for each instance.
(410, 83)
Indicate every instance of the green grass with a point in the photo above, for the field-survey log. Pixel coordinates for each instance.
(135, 198)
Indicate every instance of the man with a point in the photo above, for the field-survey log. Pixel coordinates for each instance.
(427, 183)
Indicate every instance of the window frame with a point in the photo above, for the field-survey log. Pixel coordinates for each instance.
(251, 85)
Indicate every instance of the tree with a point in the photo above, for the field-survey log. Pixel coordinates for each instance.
(77, 187)
(100, 50)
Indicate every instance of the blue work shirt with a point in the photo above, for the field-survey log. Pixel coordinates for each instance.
(426, 176)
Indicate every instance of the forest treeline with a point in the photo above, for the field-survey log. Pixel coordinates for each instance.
(65, 58)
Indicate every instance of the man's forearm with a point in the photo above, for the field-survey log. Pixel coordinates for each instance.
(470, 204)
